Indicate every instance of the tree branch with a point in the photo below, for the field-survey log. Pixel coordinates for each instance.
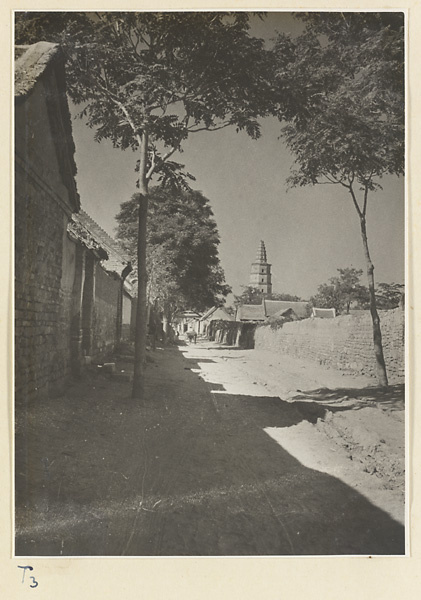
(155, 164)
(365, 198)
(331, 178)
(351, 191)
(152, 167)
(209, 128)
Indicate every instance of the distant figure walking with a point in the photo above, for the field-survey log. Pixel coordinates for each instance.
(191, 336)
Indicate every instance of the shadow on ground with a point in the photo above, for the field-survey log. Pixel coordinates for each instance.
(392, 397)
(189, 473)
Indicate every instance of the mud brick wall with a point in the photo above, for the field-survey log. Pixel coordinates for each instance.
(42, 303)
(105, 311)
(344, 343)
(232, 333)
(43, 260)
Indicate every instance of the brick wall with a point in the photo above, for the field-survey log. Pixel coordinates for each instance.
(42, 349)
(344, 343)
(43, 257)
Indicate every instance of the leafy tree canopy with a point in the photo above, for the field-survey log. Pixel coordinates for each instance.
(171, 74)
(252, 295)
(343, 78)
(182, 259)
(389, 295)
(342, 291)
(341, 91)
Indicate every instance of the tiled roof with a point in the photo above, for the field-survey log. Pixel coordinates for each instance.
(251, 312)
(271, 308)
(117, 258)
(30, 64)
(113, 259)
(217, 313)
(208, 313)
(275, 308)
(78, 232)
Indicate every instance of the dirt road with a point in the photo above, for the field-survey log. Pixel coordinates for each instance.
(202, 469)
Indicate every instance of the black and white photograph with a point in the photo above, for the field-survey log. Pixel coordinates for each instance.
(210, 267)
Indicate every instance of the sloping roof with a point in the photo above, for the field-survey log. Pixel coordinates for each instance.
(324, 313)
(79, 233)
(287, 313)
(213, 312)
(271, 308)
(31, 62)
(275, 308)
(208, 313)
(116, 259)
(45, 60)
(251, 312)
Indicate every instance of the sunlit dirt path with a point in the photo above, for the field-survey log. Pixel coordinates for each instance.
(192, 472)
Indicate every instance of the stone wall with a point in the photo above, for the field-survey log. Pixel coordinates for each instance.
(344, 343)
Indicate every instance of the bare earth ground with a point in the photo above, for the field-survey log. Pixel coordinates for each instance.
(234, 452)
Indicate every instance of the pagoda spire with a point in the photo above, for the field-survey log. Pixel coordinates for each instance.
(260, 274)
(261, 253)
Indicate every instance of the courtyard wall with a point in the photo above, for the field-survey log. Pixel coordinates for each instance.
(344, 343)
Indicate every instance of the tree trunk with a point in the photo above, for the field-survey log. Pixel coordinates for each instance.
(138, 390)
(377, 335)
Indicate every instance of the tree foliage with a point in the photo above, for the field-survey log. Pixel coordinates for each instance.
(148, 80)
(172, 73)
(390, 295)
(342, 291)
(341, 91)
(253, 295)
(344, 78)
(182, 259)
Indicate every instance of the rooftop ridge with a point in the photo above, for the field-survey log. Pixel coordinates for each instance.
(107, 239)
(30, 63)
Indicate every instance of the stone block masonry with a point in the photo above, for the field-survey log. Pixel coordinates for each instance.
(344, 343)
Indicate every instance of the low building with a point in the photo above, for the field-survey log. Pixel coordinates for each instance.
(251, 313)
(187, 320)
(272, 309)
(216, 313)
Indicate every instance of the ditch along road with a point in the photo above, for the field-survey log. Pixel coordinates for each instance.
(234, 452)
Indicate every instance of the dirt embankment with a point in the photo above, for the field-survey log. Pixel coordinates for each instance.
(353, 430)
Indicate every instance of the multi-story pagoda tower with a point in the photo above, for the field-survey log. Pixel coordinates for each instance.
(260, 275)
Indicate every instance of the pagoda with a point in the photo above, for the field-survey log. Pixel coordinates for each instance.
(260, 275)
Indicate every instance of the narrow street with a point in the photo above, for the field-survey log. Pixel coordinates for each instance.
(223, 459)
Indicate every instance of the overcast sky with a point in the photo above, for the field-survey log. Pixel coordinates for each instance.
(309, 232)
